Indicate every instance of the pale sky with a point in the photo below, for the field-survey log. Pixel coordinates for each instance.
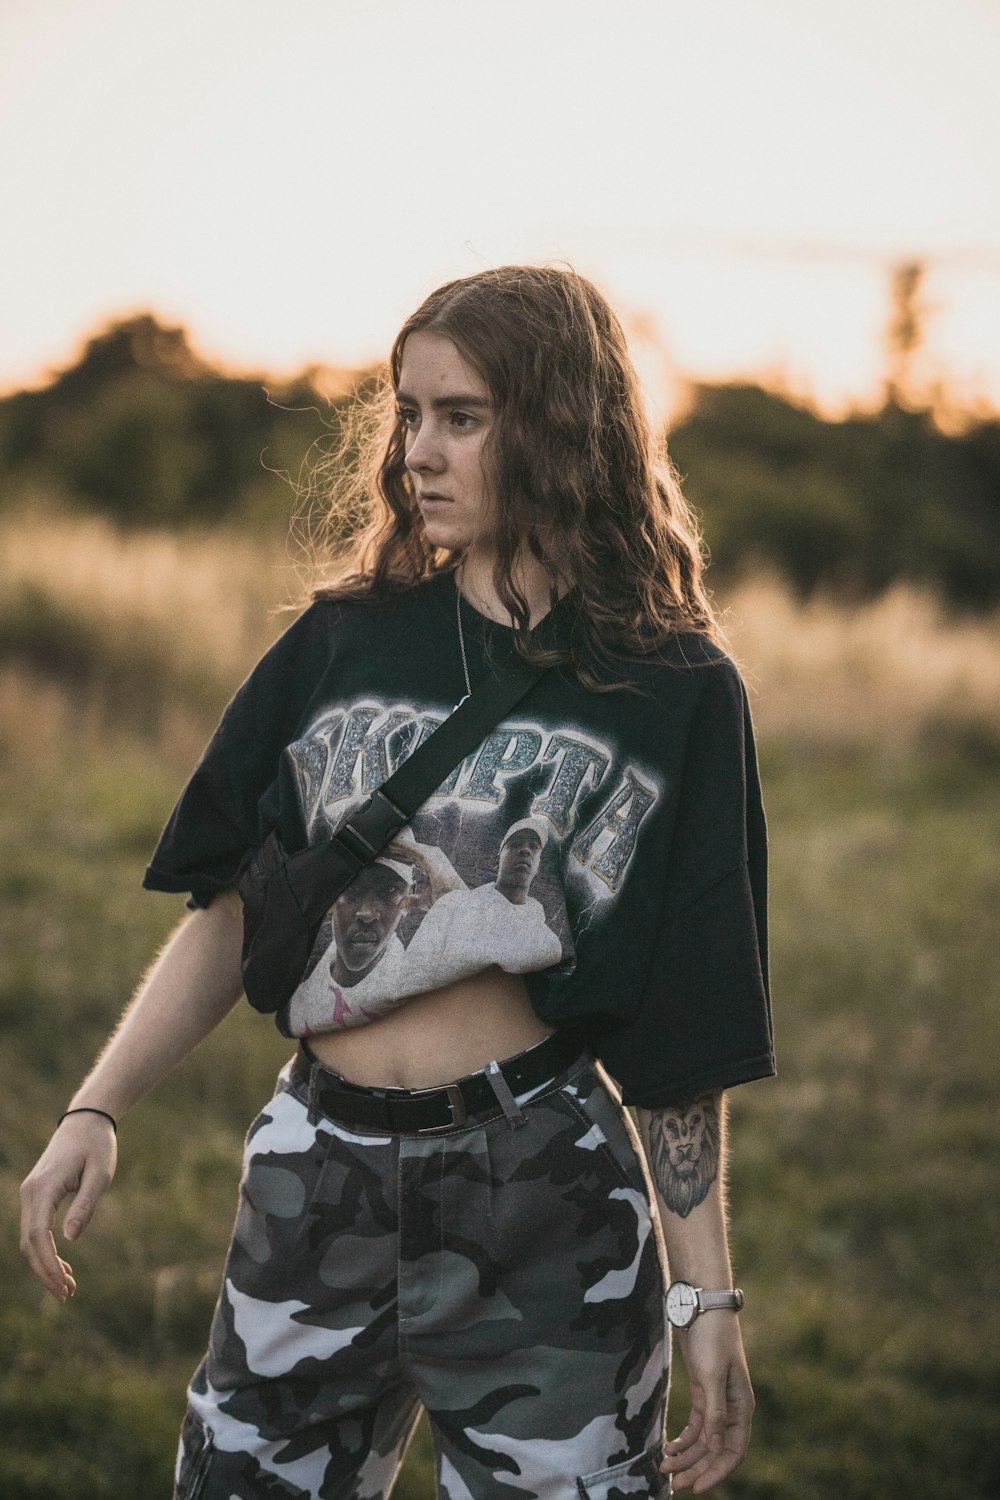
(289, 179)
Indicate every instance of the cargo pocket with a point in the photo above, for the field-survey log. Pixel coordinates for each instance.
(614, 1132)
(636, 1476)
(194, 1459)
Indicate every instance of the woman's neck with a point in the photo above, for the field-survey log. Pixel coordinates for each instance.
(474, 577)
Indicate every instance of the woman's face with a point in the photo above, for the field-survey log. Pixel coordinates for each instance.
(445, 410)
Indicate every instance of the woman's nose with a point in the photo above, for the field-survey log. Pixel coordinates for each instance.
(423, 452)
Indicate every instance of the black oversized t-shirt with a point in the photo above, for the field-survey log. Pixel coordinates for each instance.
(609, 847)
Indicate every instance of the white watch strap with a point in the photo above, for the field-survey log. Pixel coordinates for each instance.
(710, 1301)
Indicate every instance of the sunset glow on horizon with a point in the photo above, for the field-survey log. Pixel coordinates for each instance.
(740, 179)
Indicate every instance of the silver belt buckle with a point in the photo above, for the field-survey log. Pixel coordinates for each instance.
(456, 1102)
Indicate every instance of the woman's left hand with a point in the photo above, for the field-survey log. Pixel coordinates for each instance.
(717, 1435)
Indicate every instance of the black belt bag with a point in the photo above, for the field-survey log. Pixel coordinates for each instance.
(286, 896)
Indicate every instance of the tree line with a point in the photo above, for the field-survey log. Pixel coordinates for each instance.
(144, 432)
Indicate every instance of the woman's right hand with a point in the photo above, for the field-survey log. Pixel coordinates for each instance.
(196, 980)
(80, 1159)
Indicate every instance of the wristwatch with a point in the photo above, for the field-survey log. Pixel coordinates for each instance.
(685, 1302)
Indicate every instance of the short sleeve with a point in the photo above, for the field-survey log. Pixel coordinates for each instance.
(703, 1020)
(216, 824)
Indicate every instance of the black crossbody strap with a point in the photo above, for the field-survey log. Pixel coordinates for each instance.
(423, 771)
(318, 874)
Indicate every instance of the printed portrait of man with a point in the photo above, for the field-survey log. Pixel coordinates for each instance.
(496, 923)
(362, 963)
(520, 856)
(365, 918)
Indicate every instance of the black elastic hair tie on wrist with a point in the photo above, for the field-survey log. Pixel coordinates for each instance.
(85, 1109)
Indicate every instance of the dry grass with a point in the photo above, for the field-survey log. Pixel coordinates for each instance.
(142, 633)
(201, 593)
(889, 675)
(886, 674)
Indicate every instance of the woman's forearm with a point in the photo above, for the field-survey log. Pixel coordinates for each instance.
(193, 984)
(685, 1148)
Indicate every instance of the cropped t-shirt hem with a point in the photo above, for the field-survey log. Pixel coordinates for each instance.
(722, 1076)
(200, 892)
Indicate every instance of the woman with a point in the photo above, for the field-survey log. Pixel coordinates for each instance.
(445, 1203)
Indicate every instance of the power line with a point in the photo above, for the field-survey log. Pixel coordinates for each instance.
(664, 244)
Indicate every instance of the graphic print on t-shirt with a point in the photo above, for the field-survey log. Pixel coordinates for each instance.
(529, 837)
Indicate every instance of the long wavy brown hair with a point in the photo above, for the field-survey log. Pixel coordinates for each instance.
(569, 459)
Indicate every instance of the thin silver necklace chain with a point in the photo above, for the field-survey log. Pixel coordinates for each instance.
(461, 643)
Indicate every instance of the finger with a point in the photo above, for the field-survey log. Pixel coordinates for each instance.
(718, 1470)
(686, 1463)
(688, 1447)
(684, 1453)
(718, 1466)
(54, 1273)
(689, 1479)
(705, 1471)
(69, 1280)
(80, 1212)
(38, 1245)
(716, 1421)
(690, 1434)
(698, 1466)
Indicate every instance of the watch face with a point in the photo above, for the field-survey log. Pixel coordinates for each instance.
(682, 1304)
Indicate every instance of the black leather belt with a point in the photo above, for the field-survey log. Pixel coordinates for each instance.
(429, 1111)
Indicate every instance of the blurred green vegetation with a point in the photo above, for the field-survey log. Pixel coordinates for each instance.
(864, 1196)
(144, 432)
(851, 506)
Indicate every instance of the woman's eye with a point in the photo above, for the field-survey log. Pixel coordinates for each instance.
(406, 415)
(462, 419)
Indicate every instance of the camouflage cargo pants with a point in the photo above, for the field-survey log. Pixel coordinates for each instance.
(506, 1275)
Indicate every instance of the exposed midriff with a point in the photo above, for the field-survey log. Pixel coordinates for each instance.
(438, 1036)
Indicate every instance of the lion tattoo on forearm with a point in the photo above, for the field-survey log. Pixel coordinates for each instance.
(684, 1152)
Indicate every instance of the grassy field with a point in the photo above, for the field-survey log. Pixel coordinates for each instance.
(866, 1215)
